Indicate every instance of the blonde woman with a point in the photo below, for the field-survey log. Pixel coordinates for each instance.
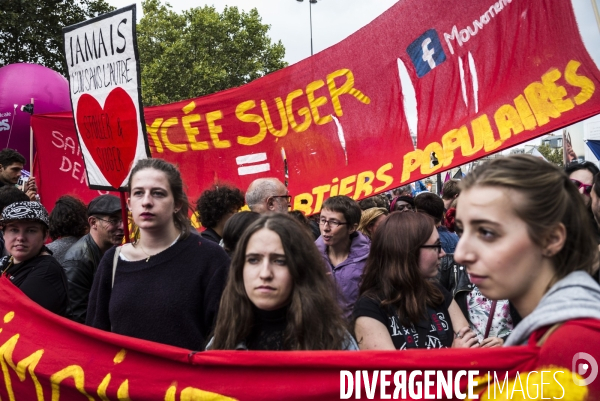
(371, 219)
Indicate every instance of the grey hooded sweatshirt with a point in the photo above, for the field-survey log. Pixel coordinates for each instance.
(577, 296)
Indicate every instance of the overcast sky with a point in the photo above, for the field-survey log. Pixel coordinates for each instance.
(334, 20)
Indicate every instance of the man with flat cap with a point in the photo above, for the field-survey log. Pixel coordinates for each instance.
(82, 259)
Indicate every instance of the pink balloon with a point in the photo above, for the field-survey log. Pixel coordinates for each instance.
(18, 84)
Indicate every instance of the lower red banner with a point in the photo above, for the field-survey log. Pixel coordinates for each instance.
(46, 357)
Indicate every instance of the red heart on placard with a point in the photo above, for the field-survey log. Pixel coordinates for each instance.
(110, 133)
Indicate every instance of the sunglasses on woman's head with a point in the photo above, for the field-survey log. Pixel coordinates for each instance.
(587, 189)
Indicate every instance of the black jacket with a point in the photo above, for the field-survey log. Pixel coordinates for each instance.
(42, 279)
(211, 234)
(80, 264)
(454, 278)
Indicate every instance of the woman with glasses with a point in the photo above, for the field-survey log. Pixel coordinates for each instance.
(165, 286)
(343, 248)
(533, 247)
(400, 306)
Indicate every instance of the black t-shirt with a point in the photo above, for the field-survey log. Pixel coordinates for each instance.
(438, 336)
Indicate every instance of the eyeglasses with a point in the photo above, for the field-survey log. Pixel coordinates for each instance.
(434, 246)
(113, 221)
(332, 223)
(287, 197)
(587, 189)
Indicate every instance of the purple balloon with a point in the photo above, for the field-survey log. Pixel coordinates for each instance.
(19, 83)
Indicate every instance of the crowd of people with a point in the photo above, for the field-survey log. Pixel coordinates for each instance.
(494, 261)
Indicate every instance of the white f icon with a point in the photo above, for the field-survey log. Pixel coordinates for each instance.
(428, 53)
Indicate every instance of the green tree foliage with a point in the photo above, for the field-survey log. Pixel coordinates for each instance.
(201, 51)
(31, 30)
(552, 155)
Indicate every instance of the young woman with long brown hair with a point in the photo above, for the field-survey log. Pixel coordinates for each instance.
(278, 295)
(400, 307)
(165, 286)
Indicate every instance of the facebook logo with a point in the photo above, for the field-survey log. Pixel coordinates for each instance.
(426, 52)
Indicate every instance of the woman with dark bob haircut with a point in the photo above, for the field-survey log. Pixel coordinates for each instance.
(400, 307)
(278, 295)
(68, 223)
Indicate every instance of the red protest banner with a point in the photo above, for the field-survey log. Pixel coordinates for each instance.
(485, 77)
(59, 165)
(44, 356)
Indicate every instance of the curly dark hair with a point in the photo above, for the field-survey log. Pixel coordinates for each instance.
(68, 218)
(216, 202)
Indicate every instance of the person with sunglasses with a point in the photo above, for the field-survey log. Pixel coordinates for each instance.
(582, 175)
(400, 305)
(343, 248)
(268, 195)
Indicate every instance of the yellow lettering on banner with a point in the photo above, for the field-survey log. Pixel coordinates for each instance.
(303, 206)
(525, 113)
(481, 127)
(171, 393)
(73, 371)
(334, 188)
(250, 118)
(102, 388)
(303, 111)
(454, 139)
(507, 120)
(346, 88)
(9, 316)
(364, 186)
(556, 93)
(27, 364)
(120, 357)
(214, 130)
(426, 166)
(190, 131)
(153, 131)
(315, 103)
(347, 185)
(320, 193)
(173, 147)
(539, 100)
(282, 116)
(412, 160)
(123, 391)
(382, 176)
(194, 394)
(580, 81)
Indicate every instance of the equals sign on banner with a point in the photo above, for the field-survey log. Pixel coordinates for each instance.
(255, 165)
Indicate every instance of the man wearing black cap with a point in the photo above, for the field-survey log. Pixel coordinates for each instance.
(82, 259)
